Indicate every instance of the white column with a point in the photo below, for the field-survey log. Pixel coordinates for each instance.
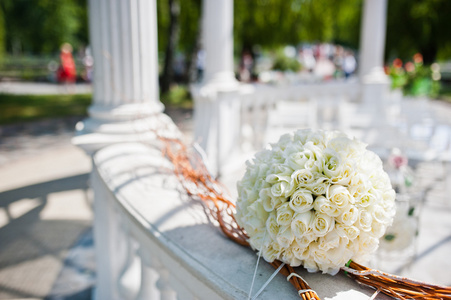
(375, 83)
(217, 25)
(372, 39)
(214, 98)
(126, 101)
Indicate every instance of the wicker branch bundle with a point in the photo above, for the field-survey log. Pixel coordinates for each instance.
(199, 184)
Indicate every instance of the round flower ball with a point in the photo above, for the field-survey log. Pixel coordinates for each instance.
(317, 199)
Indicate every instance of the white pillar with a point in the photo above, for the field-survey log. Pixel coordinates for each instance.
(217, 25)
(372, 45)
(216, 113)
(374, 81)
(126, 101)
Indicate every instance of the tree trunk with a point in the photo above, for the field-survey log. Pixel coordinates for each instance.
(168, 69)
(191, 61)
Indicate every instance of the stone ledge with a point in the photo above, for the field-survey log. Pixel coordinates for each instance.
(149, 195)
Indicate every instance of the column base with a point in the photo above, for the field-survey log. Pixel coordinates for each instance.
(376, 76)
(222, 81)
(93, 133)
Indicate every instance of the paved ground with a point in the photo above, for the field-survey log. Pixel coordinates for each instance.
(44, 210)
(45, 213)
(46, 246)
(43, 88)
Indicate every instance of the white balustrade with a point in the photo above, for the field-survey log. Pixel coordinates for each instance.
(180, 254)
(264, 113)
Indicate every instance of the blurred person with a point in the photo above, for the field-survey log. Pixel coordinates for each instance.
(67, 72)
(307, 59)
(88, 63)
(200, 64)
(349, 64)
(324, 68)
(246, 66)
(338, 59)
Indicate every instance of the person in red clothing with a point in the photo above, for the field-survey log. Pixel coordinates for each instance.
(66, 72)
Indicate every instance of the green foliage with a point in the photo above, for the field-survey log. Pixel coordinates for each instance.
(2, 35)
(190, 19)
(19, 108)
(418, 26)
(414, 78)
(285, 63)
(42, 26)
(178, 96)
(271, 23)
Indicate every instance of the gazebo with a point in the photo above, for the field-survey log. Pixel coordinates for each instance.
(153, 242)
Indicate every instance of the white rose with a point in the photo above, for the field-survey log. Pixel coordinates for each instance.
(338, 256)
(365, 220)
(322, 224)
(325, 206)
(380, 215)
(285, 237)
(342, 144)
(269, 202)
(271, 225)
(258, 240)
(332, 163)
(285, 140)
(288, 257)
(303, 177)
(330, 240)
(301, 200)
(301, 223)
(366, 199)
(297, 160)
(319, 256)
(351, 232)
(248, 194)
(271, 253)
(284, 214)
(310, 265)
(282, 189)
(251, 223)
(305, 239)
(359, 186)
(257, 209)
(314, 156)
(275, 178)
(367, 243)
(339, 196)
(319, 187)
(299, 251)
(301, 135)
(350, 216)
(317, 138)
(345, 175)
(377, 229)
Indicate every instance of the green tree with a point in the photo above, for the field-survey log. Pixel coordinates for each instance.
(183, 36)
(418, 26)
(41, 26)
(173, 31)
(272, 23)
(2, 34)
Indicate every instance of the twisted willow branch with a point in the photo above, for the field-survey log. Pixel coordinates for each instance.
(199, 184)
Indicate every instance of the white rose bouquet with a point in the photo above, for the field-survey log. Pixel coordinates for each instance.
(316, 199)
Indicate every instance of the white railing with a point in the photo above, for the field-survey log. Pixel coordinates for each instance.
(154, 242)
(241, 120)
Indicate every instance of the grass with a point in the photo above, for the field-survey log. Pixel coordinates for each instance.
(178, 96)
(24, 108)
